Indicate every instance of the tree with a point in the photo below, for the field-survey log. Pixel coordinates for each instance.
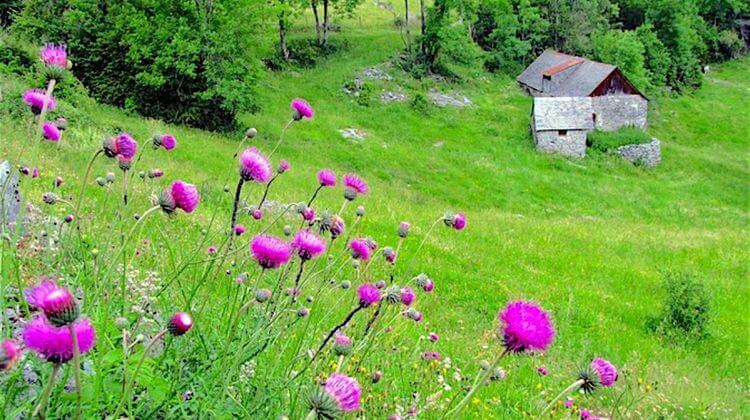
(656, 56)
(624, 50)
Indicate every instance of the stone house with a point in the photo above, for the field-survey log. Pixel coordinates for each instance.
(590, 95)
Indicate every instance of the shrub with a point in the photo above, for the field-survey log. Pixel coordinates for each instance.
(420, 103)
(604, 141)
(687, 308)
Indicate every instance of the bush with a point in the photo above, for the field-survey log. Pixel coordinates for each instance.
(687, 308)
(604, 141)
(184, 62)
(420, 103)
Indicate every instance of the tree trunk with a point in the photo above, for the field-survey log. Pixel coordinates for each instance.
(424, 25)
(282, 38)
(406, 25)
(326, 23)
(314, 6)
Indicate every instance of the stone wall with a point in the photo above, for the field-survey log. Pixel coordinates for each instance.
(648, 154)
(572, 144)
(614, 111)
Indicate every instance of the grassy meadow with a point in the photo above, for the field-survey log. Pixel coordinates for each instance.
(591, 240)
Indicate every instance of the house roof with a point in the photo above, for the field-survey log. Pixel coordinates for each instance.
(563, 113)
(585, 77)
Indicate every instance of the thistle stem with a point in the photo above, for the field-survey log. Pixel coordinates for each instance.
(281, 137)
(315, 194)
(312, 415)
(83, 184)
(296, 280)
(131, 384)
(48, 95)
(575, 385)
(76, 369)
(265, 192)
(421, 244)
(42, 406)
(480, 380)
(236, 205)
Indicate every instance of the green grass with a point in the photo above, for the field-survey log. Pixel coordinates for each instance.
(589, 240)
(609, 140)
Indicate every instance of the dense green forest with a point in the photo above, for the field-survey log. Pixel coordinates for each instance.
(199, 62)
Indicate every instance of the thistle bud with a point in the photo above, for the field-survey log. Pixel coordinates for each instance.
(110, 177)
(287, 230)
(262, 295)
(250, 133)
(68, 218)
(346, 284)
(360, 211)
(179, 324)
(303, 312)
(60, 307)
(403, 229)
(49, 198)
(376, 376)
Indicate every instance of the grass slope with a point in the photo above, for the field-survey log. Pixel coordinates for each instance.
(588, 239)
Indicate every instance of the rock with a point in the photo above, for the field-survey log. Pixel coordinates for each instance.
(648, 155)
(389, 97)
(352, 134)
(11, 196)
(454, 99)
(374, 73)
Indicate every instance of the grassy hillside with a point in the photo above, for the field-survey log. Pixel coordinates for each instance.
(589, 239)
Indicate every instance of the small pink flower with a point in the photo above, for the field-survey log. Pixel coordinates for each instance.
(308, 244)
(10, 352)
(180, 323)
(526, 327)
(355, 185)
(168, 142)
(568, 403)
(180, 195)
(239, 230)
(327, 178)
(542, 370)
(54, 56)
(36, 98)
(308, 214)
(403, 229)
(125, 145)
(257, 214)
(254, 166)
(407, 296)
(302, 109)
(344, 391)
(55, 344)
(368, 294)
(459, 222)
(428, 286)
(433, 337)
(270, 251)
(58, 181)
(51, 132)
(35, 172)
(283, 166)
(606, 371)
(212, 250)
(359, 249)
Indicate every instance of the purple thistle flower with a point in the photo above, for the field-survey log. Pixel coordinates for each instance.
(407, 296)
(254, 166)
(270, 251)
(211, 250)
(283, 166)
(257, 214)
(302, 109)
(360, 249)
(526, 327)
(337, 226)
(55, 344)
(403, 229)
(180, 195)
(585, 414)
(459, 221)
(308, 244)
(239, 230)
(179, 324)
(35, 172)
(568, 402)
(125, 145)
(342, 344)
(354, 185)
(368, 294)
(51, 132)
(308, 214)
(155, 173)
(54, 55)
(35, 99)
(168, 142)
(433, 337)
(327, 178)
(10, 352)
(344, 390)
(428, 286)
(542, 370)
(606, 371)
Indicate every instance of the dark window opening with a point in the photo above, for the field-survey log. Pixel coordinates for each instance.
(547, 77)
(562, 132)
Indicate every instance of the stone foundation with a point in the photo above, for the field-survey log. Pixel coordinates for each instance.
(572, 144)
(648, 155)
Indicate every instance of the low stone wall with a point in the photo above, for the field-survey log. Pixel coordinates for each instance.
(572, 144)
(648, 154)
(615, 111)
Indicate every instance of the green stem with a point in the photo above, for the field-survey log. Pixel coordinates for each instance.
(236, 205)
(76, 369)
(480, 380)
(42, 406)
(83, 184)
(131, 384)
(419, 248)
(281, 137)
(312, 415)
(575, 385)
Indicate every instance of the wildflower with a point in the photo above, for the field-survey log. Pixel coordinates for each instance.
(58, 181)
(262, 295)
(125, 146)
(326, 178)
(212, 250)
(606, 371)
(368, 294)
(497, 374)
(167, 141)
(360, 211)
(283, 166)
(68, 218)
(338, 395)
(303, 312)
(35, 172)
(308, 214)
(180, 195)
(36, 99)
(359, 249)
(55, 344)
(542, 370)
(376, 376)
(124, 163)
(292, 291)
(239, 230)
(433, 337)
(179, 324)
(342, 344)
(10, 352)
(308, 244)
(403, 229)
(58, 305)
(61, 123)
(54, 56)
(424, 282)
(389, 254)
(254, 166)
(302, 109)
(456, 221)
(270, 251)
(110, 177)
(380, 284)
(257, 214)
(51, 132)
(407, 296)
(526, 327)
(354, 185)
(585, 414)
(50, 198)
(568, 403)
(337, 226)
